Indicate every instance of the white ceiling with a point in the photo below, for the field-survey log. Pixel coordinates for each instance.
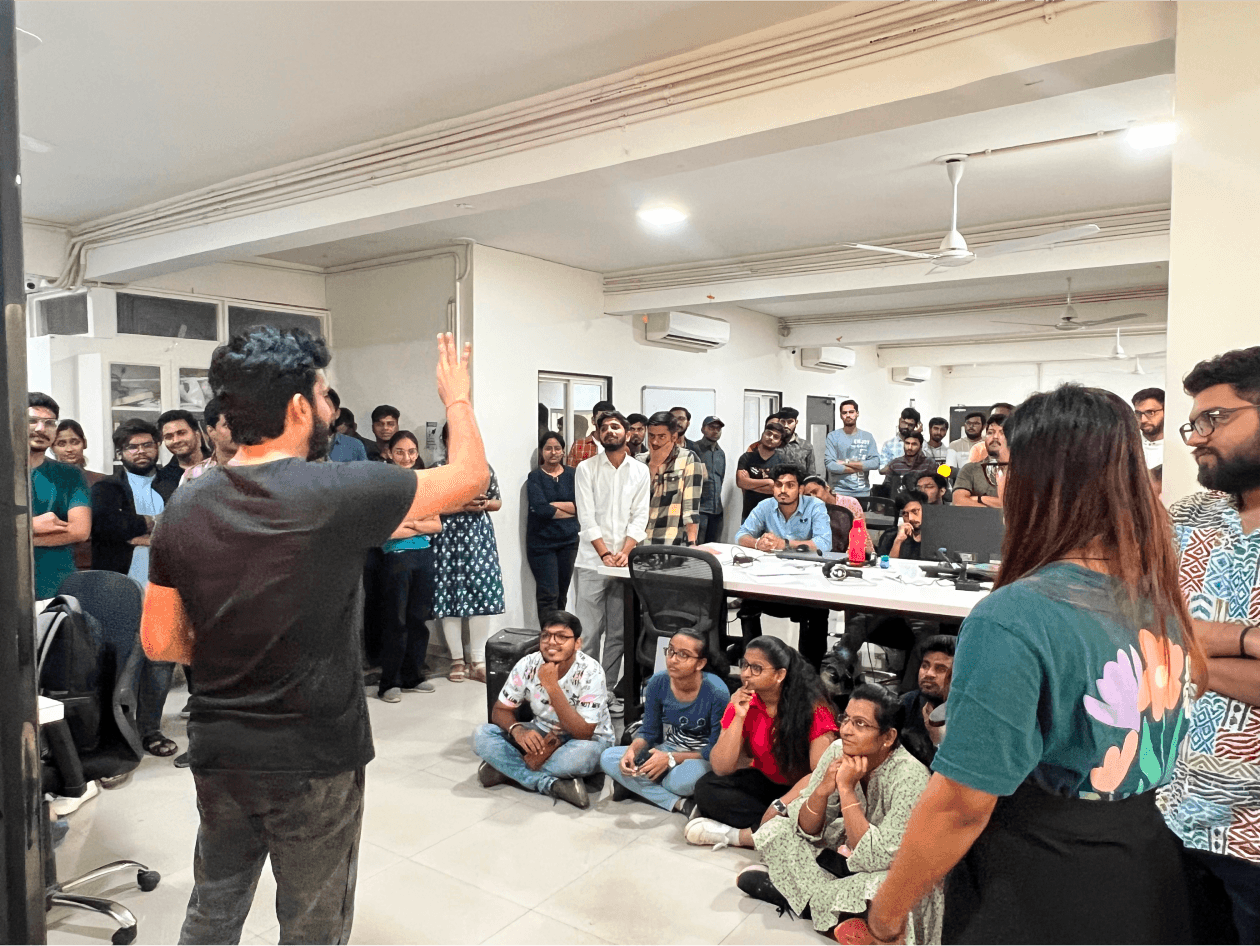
(866, 188)
(142, 101)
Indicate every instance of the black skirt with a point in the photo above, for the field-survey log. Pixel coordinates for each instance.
(1049, 869)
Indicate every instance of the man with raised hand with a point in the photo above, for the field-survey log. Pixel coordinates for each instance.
(254, 578)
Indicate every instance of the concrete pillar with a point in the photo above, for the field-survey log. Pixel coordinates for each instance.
(1213, 302)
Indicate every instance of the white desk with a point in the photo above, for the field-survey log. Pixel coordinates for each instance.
(803, 583)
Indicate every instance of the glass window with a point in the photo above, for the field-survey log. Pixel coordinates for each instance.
(135, 391)
(167, 318)
(62, 315)
(194, 389)
(241, 317)
(567, 399)
(758, 405)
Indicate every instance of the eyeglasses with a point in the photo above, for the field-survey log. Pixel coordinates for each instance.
(137, 447)
(754, 670)
(671, 651)
(35, 423)
(994, 470)
(1206, 423)
(547, 638)
(1147, 415)
(861, 725)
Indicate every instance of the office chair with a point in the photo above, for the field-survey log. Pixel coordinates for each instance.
(115, 601)
(679, 587)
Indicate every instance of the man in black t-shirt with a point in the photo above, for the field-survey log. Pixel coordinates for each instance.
(753, 471)
(906, 541)
(936, 670)
(253, 580)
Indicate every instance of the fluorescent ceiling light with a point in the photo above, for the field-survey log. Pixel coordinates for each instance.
(1153, 135)
(662, 216)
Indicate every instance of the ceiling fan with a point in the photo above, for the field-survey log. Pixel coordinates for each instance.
(1119, 354)
(1068, 321)
(953, 250)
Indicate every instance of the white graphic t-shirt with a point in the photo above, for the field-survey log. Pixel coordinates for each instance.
(583, 685)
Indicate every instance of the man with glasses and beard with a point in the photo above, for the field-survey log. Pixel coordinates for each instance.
(1148, 407)
(1213, 803)
(254, 580)
(125, 511)
(612, 505)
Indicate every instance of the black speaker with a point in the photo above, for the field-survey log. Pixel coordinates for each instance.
(503, 650)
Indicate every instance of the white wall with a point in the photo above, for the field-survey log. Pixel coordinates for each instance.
(531, 315)
(245, 282)
(987, 384)
(385, 321)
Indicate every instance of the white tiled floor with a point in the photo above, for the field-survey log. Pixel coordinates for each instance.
(443, 860)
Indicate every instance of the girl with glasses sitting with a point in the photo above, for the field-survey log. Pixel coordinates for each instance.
(833, 849)
(780, 720)
(682, 716)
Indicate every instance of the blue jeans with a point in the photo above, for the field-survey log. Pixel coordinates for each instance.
(576, 758)
(679, 782)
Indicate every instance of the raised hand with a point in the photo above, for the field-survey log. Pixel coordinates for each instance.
(453, 381)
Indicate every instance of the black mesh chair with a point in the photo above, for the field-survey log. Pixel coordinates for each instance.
(115, 601)
(678, 587)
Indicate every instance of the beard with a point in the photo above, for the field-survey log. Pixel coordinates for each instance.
(613, 444)
(133, 467)
(1235, 474)
(320, 441)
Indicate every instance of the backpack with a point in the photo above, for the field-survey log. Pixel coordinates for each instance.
(68, 667)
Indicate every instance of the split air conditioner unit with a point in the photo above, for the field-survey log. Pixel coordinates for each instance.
(913, 375)
(687, 330)
(833, 358)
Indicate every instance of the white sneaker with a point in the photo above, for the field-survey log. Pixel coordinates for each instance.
(704, 831)
(63, 805)
(616, 705)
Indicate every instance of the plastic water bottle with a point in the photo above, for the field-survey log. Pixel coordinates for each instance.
(857, 542)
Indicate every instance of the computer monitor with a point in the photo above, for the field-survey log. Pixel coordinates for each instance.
(968, 530)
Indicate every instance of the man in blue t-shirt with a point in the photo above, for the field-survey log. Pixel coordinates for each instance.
(61, 507)
(851, 454)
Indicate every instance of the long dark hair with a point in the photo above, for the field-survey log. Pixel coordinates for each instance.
(1077, 474)
(799, 696)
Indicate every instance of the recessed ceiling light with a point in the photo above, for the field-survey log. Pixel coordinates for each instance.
(662, 216)
(1152, 135)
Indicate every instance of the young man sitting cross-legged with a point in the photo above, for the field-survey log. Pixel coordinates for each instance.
(571, 726)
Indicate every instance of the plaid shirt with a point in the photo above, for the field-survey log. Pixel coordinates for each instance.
(584, 449)
(675, 498)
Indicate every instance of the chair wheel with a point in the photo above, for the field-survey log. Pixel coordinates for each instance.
(124, 935)
(147, 880)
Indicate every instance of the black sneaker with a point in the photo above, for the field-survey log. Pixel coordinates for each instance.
(620, 792)
(489, 776)
(687, 808)
(181, 760)
(755, 881)
(572, 790)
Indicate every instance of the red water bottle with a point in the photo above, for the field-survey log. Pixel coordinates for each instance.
(857, 542)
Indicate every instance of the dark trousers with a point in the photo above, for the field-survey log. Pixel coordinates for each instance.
(155, 684)
(553, 570)
(812, 621)
(1224, 897)
(739, 799)
(308, 824)
(374, 574)
(407, 602)
(710, 527)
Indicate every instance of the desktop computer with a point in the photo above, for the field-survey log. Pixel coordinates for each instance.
(974, 533)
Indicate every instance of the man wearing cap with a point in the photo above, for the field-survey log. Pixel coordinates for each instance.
(713, 458)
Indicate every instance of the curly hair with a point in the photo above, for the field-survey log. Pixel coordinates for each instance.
(1239, 368)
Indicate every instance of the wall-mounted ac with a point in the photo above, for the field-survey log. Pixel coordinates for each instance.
(828, 358)
(687, 330)
(916, 374)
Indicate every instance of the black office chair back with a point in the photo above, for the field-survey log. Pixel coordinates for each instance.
(678, 587)
(116, 602)
(841, 525)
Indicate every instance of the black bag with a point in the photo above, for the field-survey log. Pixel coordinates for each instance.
(68, 667)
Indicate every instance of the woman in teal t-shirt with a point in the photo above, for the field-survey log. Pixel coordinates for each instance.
(1067, 706)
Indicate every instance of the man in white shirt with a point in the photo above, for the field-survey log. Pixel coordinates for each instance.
(612, 506)
(1148, 406)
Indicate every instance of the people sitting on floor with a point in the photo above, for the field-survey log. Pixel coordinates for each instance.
(831, 851)
(920, 735)
(976, 485)
(906, 469)
(934, 486)
(571, 728)
(906, 541)
(780, 721)
(682, 716)
(788, 519)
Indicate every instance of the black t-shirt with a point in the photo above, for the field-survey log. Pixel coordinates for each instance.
(914, 734)
(759, 469)
(910, 547)
(268, 560)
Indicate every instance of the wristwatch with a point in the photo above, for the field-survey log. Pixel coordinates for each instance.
(672, 761)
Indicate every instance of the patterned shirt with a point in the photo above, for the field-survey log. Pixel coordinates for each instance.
(675, 498)
(584, 449)
(198, 470)
(1213, 803)
(584, 686)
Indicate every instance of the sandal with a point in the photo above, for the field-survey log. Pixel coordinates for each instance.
(478, 671)
(158, 745)
(456, 673)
